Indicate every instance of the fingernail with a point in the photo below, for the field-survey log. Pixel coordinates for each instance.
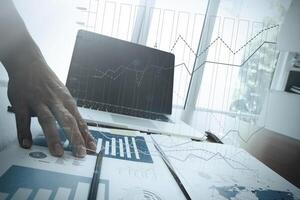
(79, 151)
(58, 150)
(26, 143)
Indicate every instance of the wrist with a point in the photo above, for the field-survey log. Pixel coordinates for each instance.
(21, 55)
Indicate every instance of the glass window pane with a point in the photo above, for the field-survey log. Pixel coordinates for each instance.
(240, 65)
(176, 27)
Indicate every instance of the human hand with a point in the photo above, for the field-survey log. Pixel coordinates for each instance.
(34, 90)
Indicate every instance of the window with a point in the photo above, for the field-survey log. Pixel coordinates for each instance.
(238, 53)
(176, 28)
(111, 18)
(240, 65)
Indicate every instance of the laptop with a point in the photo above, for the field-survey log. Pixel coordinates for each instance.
(124, 85)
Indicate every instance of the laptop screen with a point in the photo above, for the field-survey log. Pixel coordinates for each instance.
(110, 71)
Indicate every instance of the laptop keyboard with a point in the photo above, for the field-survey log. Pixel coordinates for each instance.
(122, 110)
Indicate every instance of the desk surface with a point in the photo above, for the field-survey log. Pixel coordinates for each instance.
(208, 170)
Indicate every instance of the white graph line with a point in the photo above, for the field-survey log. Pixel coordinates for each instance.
(117, 72)
(211, 154)
(222, 41)
(114, 74)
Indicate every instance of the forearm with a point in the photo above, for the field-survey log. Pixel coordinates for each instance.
(16, 45)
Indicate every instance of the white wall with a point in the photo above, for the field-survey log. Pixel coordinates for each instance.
(284, 114)
(52, 25)
(283, 109)
(288, 38)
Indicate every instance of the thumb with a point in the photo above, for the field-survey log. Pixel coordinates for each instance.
(23, 120)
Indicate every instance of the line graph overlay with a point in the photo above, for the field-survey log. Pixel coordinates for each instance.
(122, 74)
(218, 49)
(222, 41)
(186, 150)
(118, 71)
(214, 171)
(115, 73)
(254, 49)
(242, 43)
(221, 63)
(236, 134)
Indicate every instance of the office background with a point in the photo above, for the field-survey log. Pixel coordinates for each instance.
(229, 47)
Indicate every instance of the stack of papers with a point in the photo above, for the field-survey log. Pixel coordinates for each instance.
(132, 169)
(217, 171)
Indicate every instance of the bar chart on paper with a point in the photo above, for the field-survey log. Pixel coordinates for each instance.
(132, 148)
(123, 147)
(29, 183)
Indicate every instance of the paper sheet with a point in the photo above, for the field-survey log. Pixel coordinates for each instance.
(222, 172)
(131, 170)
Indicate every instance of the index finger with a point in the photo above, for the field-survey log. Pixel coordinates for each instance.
(23, 120)
(89, 139)
(67, 121)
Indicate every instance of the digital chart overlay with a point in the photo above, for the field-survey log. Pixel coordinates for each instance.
(29, 183)
(131, 148)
